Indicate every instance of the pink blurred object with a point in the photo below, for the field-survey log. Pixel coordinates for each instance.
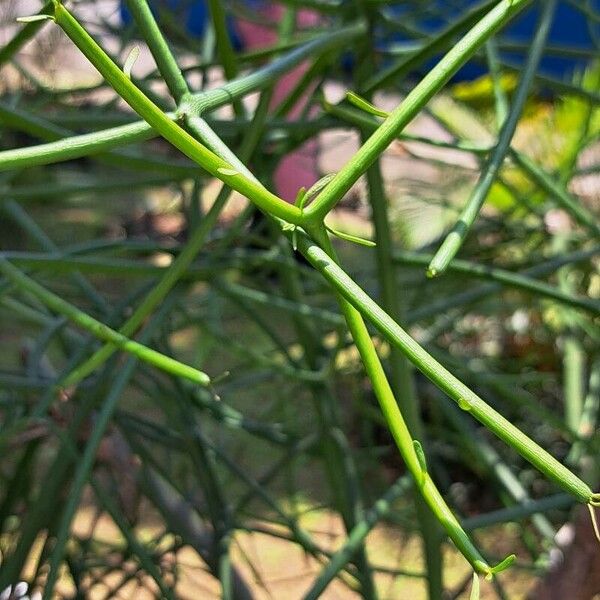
(298, 169)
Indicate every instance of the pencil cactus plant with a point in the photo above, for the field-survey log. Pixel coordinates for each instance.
(109, 350)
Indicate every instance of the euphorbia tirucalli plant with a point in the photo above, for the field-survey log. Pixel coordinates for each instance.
(302, 225)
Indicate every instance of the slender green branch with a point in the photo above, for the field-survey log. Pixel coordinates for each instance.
(225, 50)
(409, 449)
(438, 374)
(23, 35)
(508, 278)
(371, 123)
(76, 146)
(411, 106)
(100, 330)
(454, 240)
(171, 131)
(266, 76)
(356, 537)
(564, 199)
(501, 103)
(165, 61)
(86, 462)
(441, 42)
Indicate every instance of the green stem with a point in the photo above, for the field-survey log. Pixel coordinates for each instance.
(87, 144)
(574, 374)
(357, 537)
(225, 50)
(165, 61)
(501, 104)
(86, 461)
(171, 131)
(76, 146)
(396, 71)
(411, 106)
(564, 199)
(454, 240)
(389, 407)
(156, 295)
(371, 123)
(100, 330)
(266, 76)
(492, 461)
(508, 278)
(401, 378)
(24, 34)
(438, 374)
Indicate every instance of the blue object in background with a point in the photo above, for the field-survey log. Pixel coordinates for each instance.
(570, 28)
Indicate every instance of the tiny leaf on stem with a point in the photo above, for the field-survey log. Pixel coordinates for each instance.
(351, 238)
(226, 171)
(366, 105)
(420, 455)
(314, 189)
(592, 510)
(475, 591)
(300, 197)
(501, 566)
(35, 18)
(130, 61)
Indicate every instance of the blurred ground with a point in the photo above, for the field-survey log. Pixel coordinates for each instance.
(278, 570)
